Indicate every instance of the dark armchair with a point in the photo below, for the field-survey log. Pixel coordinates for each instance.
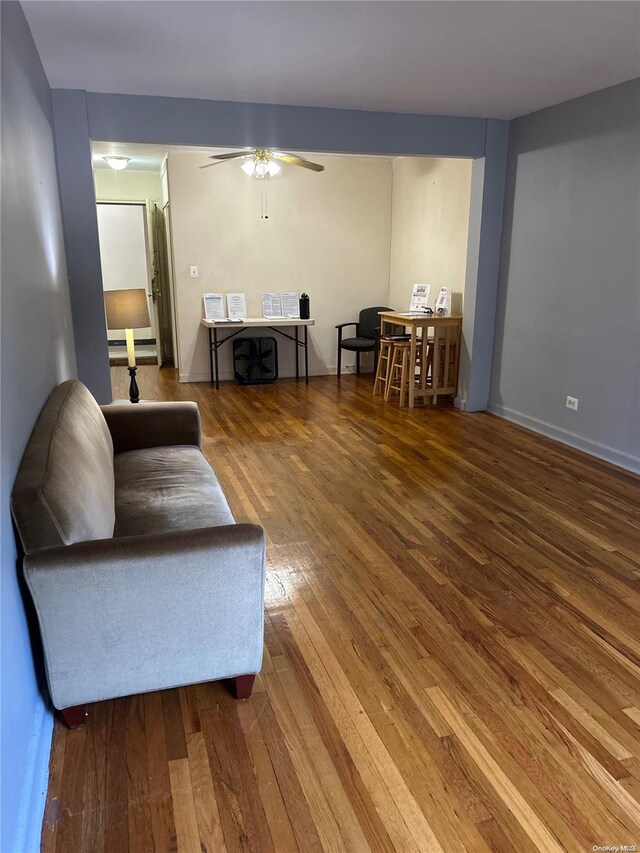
(366, 337)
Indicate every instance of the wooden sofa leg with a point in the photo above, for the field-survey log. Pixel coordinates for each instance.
(242, 685)
(75, 717)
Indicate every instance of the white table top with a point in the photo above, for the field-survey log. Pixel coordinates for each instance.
(253, 322)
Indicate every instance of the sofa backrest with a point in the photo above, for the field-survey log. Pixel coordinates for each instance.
(65, 488)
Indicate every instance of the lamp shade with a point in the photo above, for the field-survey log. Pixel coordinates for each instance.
(127, 309)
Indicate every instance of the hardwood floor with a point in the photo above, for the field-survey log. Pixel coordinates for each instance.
(451, 661)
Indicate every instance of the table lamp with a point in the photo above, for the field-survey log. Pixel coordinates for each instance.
(128, 310)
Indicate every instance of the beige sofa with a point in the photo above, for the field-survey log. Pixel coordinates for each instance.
(140, 577)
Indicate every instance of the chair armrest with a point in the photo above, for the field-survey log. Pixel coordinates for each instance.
(139, 425)
(139, 613)
(340, 327)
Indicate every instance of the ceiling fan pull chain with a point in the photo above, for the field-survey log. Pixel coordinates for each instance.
(264, 201)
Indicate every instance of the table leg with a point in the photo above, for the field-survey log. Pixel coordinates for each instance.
(297, 365)
(211, 352)
(412, 367)
(423, 362)
(456, 364)
(215, 356)
(306, 355)
(435, 367)
(448, 380)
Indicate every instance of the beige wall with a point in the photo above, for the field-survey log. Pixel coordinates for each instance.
(430, 221)
(127, 186)
(327, 234)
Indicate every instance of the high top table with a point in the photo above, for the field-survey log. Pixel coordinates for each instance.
(447, 330)
(275, 324)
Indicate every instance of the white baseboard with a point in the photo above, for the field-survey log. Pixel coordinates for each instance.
(34, 787)
(198, 377)
(601, 451)
(461, 403)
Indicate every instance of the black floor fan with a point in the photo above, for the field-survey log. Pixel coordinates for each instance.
(255, 360)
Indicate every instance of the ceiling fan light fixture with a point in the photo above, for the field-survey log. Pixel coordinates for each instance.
(260, 168)
(262, 162)
(117, 163)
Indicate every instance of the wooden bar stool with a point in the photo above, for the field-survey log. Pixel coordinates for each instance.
(383, 371)
(400, 370)
(446, 363)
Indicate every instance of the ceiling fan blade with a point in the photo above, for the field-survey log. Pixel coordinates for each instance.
(297, 161)
(206, 166)
(248, 152)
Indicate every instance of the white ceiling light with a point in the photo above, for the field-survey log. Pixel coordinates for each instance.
(117, 163)
(260, 168)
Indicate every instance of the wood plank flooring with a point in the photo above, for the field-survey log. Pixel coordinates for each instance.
(451, 651)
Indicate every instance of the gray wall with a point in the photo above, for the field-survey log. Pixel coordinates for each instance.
(568, 314)
(483, 264)
(37, 353)
(81, 117)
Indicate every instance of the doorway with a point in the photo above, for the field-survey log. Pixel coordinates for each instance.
(133, 254)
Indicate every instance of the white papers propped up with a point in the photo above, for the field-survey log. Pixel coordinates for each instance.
(213, 306)
(420, 297)
(271, 305)
(236, 306)
(443, 303)
(291, 304)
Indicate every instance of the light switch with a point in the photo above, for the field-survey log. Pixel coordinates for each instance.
(194, 272)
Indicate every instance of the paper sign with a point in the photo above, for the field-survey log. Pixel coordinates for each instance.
(291, 304)
(213, 306)
(271, 305)
(419, 297)
(236, 306)
(442, 302)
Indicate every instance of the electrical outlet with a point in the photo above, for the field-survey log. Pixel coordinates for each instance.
(572, 403)
(194, 272)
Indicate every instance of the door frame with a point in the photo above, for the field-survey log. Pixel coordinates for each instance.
(166, 212)
(149, 255)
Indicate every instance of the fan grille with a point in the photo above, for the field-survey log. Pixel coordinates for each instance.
(255, 360)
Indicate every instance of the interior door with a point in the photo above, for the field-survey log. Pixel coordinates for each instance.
(152, 280)
(161, 285)
(122, 229)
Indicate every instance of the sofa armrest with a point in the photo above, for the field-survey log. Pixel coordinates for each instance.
(135, 426)
(138, 613)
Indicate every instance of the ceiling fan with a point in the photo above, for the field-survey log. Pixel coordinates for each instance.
(261, 162)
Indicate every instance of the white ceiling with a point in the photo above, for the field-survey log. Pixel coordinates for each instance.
(149, 157)
(490, 59)
(143, 158)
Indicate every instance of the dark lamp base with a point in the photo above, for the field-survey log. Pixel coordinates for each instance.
(134, 393)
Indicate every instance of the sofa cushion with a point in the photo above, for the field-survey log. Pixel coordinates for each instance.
(159, 489)
(64, 492)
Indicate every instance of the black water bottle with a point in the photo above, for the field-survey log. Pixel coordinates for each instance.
(304, 307)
